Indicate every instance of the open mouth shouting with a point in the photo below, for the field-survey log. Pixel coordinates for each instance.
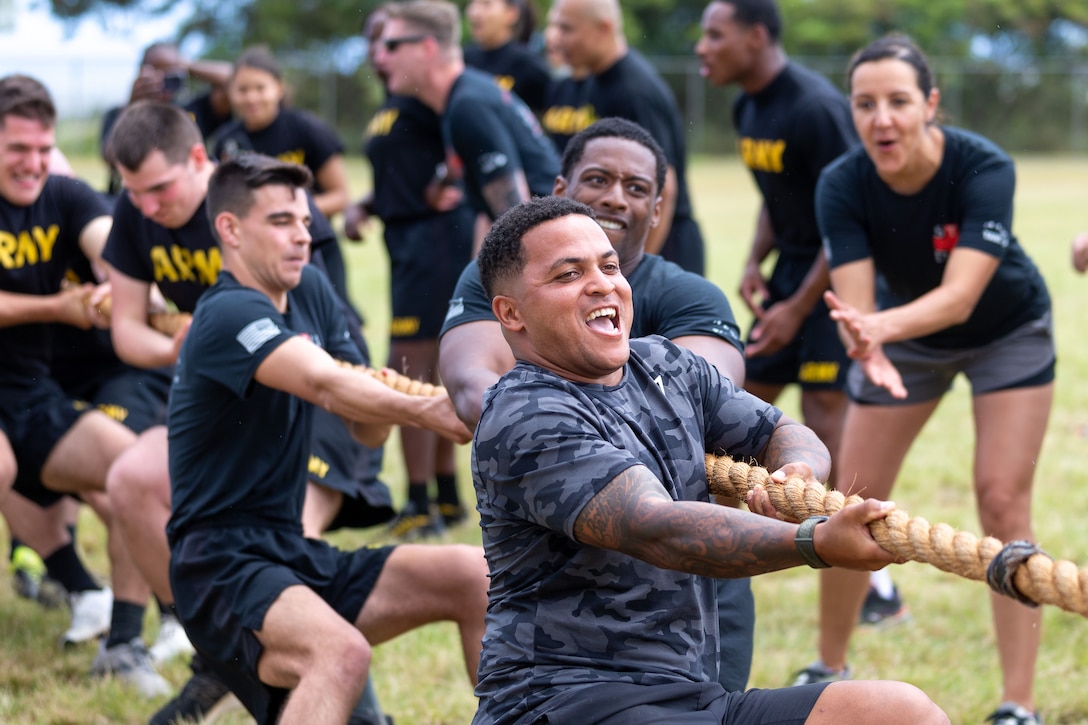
(605, 320)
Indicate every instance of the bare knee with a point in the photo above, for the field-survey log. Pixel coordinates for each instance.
(468, 573)
(1003, 511)
(350, 660)
(135, 482)
(891, 703)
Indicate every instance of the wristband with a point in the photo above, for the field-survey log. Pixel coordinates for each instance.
(805, 545)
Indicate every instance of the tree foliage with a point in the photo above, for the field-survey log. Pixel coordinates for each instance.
(1031, 28)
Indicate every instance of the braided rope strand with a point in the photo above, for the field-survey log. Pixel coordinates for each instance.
(401, 383)
(1038, 577)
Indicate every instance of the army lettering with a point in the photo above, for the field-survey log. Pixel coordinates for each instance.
(178, 264)
(27, 247)
(568, 121)
(760, 154)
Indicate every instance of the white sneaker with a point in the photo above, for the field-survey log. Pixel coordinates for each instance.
(91, 612)
(130, 663)
(171, 641)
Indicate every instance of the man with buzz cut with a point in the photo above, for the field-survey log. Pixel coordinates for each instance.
(621, 82)
(51, 445)
(275, 612)
(591, 483)
(493, 141)
(618, 169)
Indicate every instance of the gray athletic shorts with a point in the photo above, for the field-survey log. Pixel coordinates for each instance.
(1023, 358)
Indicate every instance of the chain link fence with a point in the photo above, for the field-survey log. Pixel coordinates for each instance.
(1042, 107)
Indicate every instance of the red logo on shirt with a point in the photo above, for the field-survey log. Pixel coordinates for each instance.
(455, 168)
(945, 238)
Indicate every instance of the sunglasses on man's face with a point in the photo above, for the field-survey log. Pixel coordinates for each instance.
(391, 44)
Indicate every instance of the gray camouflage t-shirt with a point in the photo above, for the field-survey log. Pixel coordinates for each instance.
(561, 614)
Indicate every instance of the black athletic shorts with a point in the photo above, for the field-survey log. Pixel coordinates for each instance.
(341, 463)
(425, 259)
(131, 396)
(34, 419)
(612, 703)
(227, 578)
(815, 359)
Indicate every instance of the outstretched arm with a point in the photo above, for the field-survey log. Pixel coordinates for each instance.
(303, 369)
(635, 515)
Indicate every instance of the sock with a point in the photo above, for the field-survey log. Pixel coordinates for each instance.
(165, 609)
(64, 566)
(418, 497)
(15, 544)
(447, 489)
(881, 581)
(126, 623)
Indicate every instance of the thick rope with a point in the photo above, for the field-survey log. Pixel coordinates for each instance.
(167, 323)
(396, 381)
(1023, 572)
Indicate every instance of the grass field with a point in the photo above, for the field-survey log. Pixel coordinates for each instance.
(947, 649)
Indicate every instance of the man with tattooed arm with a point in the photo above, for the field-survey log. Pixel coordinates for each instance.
(588, 464)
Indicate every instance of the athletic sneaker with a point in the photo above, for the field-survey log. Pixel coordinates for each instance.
(411, 525)
(819, 672)
(27, 570)
(130, 663)
(1009, 713)
(452, 514)
(171, 640)
(91, 612)
(197, 701)
(882, 613)
(51, 593)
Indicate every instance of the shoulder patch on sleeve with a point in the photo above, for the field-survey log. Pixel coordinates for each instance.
(257, 333)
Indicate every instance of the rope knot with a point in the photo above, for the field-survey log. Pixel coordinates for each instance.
(1002, 569)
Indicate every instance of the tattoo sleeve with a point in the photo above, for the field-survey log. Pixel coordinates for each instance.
(505, 192)
(634, 514)
(792, 442)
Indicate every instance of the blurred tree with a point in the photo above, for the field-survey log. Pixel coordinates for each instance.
(1031, 28)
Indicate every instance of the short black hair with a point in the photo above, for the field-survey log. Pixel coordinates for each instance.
(502, 255)
(895, 46)
(758, 12)
(231, 186)
(614, 127)
(26, 97)
(147, 126)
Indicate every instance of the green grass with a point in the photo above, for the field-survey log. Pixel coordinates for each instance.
(947, 649)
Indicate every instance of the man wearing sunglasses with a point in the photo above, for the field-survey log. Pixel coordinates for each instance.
(493, 142)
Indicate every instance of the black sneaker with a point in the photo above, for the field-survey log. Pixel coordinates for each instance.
(411, 525)
(881, 613)
(452, 514)
(196, 701)
(1009, 713)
